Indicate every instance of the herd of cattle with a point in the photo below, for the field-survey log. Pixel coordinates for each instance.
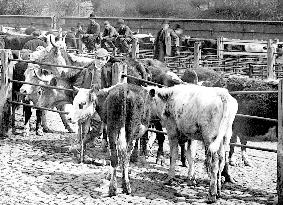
(187, 111)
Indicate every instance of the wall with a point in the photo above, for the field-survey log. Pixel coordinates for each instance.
(42, 22)
(236, 29)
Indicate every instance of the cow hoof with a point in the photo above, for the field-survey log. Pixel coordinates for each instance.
(191, 182)
(184, 165)
(160, 159)
(70, 130)
(25, 133)
(211, 199)
(112, 191)
(47, 130)
(39, 132)
(126, 189)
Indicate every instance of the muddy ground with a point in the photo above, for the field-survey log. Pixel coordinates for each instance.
(40, 170)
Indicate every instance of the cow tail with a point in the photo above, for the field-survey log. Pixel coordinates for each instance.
(122, 139)
(214, 146)
(196, 77)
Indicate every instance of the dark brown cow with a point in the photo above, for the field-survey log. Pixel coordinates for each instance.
(124, 108)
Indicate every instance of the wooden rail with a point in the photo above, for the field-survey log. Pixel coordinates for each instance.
(48, 64)
(45, 86)
(38, 107)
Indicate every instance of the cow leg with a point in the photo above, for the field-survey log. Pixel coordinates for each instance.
(173, 142)
(64, 120)
(114, 161)
(38, 127)
(244, 153)
(13, 118)
(191, 153)
(124, 151)
(160, 140)
(213, 163)
(27, 111)
(104, 143)
(232, 160)
(183, 154)
(221, 167)
(44, 122)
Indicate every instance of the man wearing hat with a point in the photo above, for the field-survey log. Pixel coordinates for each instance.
(125, 37)
(92, 34)
(109, 37)
(165, 38)
(90, 78)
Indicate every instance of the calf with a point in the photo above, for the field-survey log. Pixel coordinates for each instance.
(125, 110)
(191, 112)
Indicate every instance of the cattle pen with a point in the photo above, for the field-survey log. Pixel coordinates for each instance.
(5, 91)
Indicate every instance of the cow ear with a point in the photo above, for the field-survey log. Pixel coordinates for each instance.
(152, 93)
(53, 82)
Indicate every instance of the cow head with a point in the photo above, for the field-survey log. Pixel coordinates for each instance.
(83, 105)
(49, 97)
(32, 74)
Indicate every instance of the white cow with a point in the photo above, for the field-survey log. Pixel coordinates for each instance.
(197, 113)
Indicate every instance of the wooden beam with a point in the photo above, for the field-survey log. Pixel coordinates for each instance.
(197, 54)
(280, 144)
(270, 61)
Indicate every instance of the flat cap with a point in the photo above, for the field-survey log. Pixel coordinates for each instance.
(101, 52)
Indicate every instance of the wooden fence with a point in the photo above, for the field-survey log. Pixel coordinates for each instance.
(204, 28)
(23, 21)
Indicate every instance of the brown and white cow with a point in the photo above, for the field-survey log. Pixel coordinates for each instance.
(193, 112)
(125, 110)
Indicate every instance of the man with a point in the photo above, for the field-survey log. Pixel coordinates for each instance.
(179, 32)
(35, 42)
(71, 38)
(125, 37)
(162, 44)
(90, 77)
(92, 34)
(109, 37)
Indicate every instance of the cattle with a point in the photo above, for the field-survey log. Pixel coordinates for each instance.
(207, 46)
(125, 110)
(264, 105)
(43, 74)
(191, 112)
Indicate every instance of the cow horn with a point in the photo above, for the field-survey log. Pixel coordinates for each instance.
(52, 41)
(39, 77)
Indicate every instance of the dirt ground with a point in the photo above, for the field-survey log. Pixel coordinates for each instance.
(40, 170)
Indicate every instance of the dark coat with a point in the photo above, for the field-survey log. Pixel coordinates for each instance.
(163, 43)
(125, 32)
(110, 32)
(93, 29)
(90, 77)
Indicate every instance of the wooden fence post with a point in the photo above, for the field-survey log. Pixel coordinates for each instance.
(117, 70)
(135, 48)
(220, 48)
(80, 45)
(270, 60)
(5, 91)
(280, 144)
(197, 54)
